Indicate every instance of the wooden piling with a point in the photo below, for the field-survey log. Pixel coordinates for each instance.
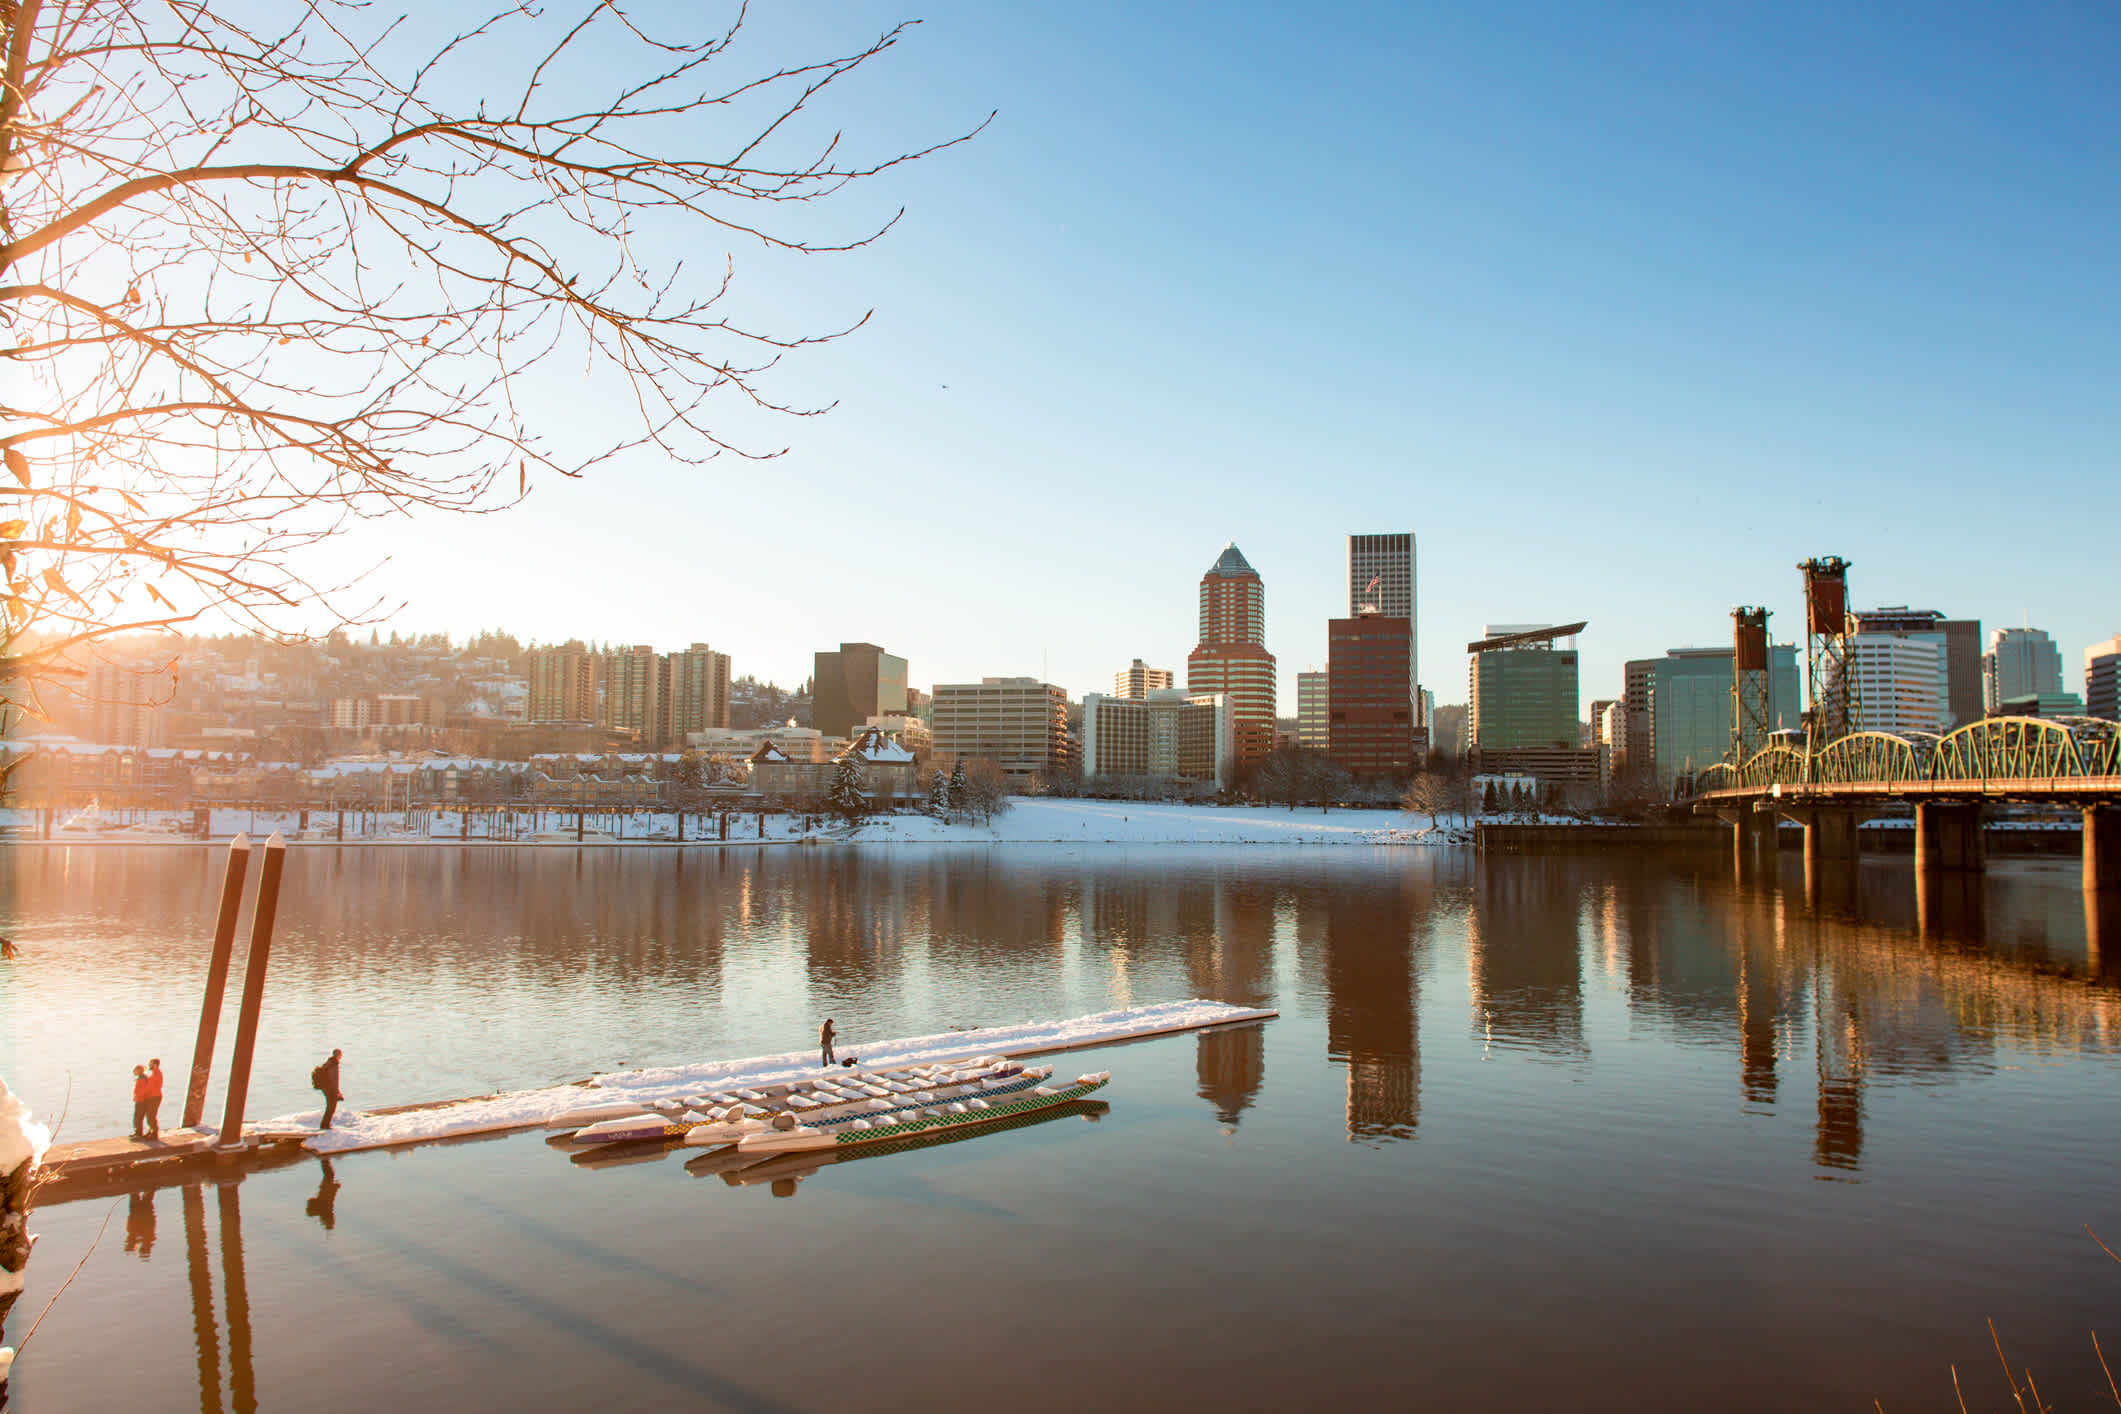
(202, 1056)
(261, 925)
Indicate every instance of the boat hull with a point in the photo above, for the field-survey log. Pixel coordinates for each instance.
(773, 1141)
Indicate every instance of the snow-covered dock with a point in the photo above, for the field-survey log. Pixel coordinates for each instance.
(531, 1109)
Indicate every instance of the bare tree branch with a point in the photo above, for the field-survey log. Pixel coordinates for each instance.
(258, 284)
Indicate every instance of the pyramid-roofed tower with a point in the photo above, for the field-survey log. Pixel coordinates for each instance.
(1232, 657)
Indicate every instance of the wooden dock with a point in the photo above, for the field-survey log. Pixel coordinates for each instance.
(98, 1155)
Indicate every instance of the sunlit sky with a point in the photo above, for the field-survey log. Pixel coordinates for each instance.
(1621, 310)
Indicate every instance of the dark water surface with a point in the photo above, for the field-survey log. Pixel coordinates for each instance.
(1529, 1133)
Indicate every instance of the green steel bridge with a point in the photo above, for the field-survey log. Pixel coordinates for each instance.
(2067, 761)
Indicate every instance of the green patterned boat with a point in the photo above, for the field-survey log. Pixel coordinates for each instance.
(787, 1135)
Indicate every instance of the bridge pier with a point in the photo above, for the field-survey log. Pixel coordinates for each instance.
(1948, 837)
(1829, 834)
(2102, 848)
(1752, 838)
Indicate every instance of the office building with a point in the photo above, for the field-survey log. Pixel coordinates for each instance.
(1521, 714)
(1960, 640)
(1166, 733)
(1020, 724)
(1902, 682)
(849, 687)
(1381, 581)
(1311, 709)
(1139, 680)
(2020, 662)
(1370, 701)
(564, 684)
(2102, 679)
(1690, 707)
(1232, 657)
(2042, 704)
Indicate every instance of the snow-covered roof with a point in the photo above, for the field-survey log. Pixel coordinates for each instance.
(873, 746)
(767, 752)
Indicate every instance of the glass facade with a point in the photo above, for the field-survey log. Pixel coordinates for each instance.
(1690, 705)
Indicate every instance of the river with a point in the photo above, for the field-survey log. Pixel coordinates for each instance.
(1529, 1133)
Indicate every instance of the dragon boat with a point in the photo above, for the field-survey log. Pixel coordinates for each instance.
(725, 1117)
(953, 1107)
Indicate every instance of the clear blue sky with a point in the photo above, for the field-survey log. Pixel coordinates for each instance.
(1622, 310)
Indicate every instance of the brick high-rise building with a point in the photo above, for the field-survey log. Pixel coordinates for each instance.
(1381, 581)
(1232, 658)
(1370, 702)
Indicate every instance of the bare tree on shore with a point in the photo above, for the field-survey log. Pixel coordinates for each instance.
(265, 273)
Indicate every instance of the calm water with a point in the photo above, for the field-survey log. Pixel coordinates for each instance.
(1528, 1133)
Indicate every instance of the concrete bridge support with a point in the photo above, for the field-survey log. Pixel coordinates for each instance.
(1829, 836)
(1752, 840)
(1948, 838)
(2102, 848)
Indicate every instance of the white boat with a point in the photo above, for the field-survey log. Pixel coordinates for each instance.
(723, 1117)
(953, 1108)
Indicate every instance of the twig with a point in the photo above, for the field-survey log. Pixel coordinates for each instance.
(23, 1344)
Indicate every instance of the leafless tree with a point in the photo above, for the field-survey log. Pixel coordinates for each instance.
(269, 270)
(1434, 793)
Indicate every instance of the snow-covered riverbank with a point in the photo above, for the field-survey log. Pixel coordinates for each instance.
(1029, 820)
(1036, 820)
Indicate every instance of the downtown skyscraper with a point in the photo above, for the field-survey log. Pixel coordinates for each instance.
(1232, 657)
(1381, 581)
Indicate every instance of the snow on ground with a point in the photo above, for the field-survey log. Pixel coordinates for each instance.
(528, 1109)
(21, 1137)
(1045, 821)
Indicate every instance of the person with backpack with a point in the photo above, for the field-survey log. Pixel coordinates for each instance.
(326, 1079)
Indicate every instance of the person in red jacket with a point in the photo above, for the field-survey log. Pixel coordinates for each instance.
(140, 1094)
(154, 1098)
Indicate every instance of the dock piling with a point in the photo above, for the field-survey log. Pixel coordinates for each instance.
(202, 1056)
(253, 990)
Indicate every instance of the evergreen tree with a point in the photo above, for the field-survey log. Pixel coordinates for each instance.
(938, 795)
(960, 788)
(846, 796)
(1489, 801)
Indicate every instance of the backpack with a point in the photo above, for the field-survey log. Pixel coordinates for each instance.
(316, 1077)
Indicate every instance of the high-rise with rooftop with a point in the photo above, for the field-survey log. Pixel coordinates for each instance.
(1232, 656)
(2020, 662)
(1139, 680)
(1381, 581)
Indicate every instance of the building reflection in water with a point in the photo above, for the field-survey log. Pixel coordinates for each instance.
(1232, 963)
(1370, 1002)
(1523, 960)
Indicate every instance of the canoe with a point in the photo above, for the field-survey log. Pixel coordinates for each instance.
(784, 1135)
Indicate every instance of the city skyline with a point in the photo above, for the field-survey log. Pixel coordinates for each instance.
(1620, 315)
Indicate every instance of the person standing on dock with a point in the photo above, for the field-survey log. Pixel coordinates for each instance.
(326, 1078)
(154, 1098)
(140, 1093)
(824, 1041)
